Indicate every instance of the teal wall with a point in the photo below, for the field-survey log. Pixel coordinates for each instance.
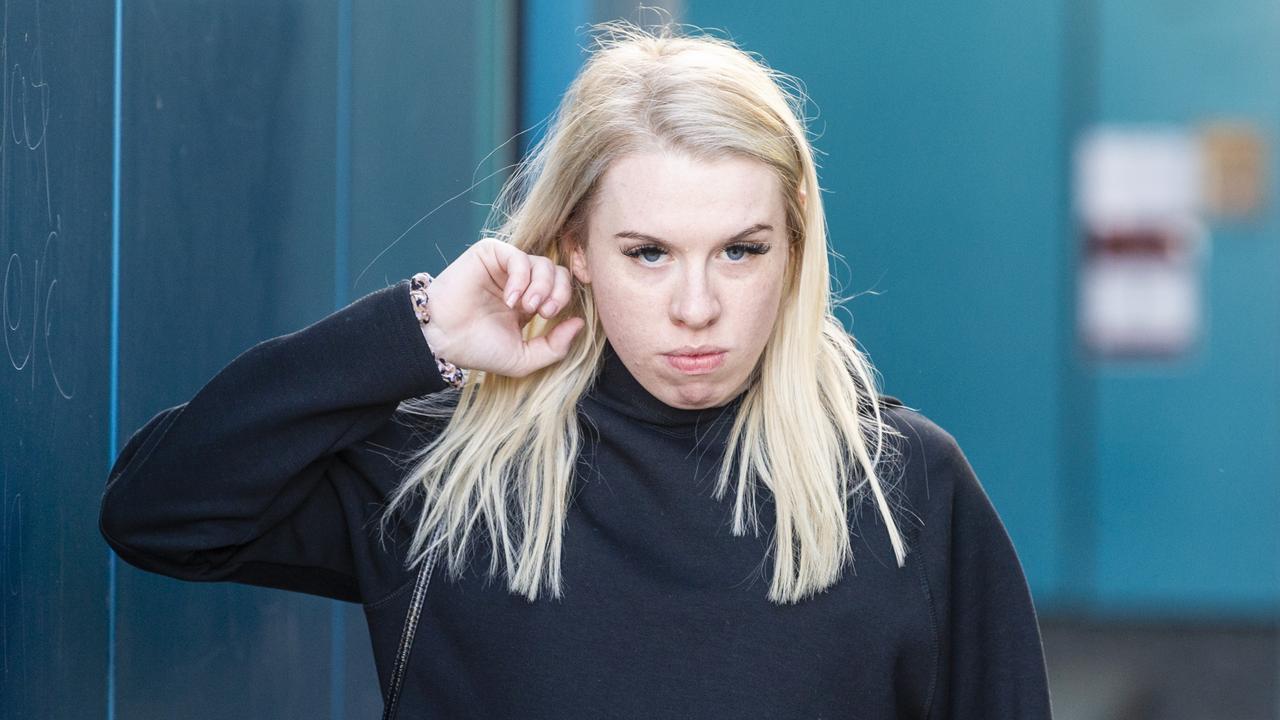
(552, 47)
(943, 163)
(187, 179)
(1132, 490)
(179, 181)
(1189, 452)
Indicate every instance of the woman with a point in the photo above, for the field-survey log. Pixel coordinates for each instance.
(647, 330)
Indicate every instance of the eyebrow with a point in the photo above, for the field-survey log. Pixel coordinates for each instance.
(758, 227)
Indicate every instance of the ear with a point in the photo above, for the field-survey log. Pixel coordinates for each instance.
(803, 196)
(577, 258)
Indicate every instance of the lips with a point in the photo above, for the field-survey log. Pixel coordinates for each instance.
(697, 350)
(696, 364)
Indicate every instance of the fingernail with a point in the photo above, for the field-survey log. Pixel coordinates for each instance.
(533, 301)
(511, 299)
(550, 309)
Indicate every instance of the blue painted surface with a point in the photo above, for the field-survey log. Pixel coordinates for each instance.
(341, 295)
(1189, 451)
(182, 181)
(113, 401)
(1144, 489)
(943, 173)
(1135, 490)
(552, 48)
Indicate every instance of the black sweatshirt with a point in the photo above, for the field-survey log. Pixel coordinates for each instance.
(273, 475)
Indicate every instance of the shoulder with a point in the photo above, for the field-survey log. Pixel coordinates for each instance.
(945, 500)
(924, 444)
(927, 466)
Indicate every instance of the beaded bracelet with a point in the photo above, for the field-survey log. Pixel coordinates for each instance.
(418, 285)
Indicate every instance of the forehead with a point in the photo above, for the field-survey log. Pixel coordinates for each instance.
(671, 194)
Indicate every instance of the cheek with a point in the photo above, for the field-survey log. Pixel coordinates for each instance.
(617, 298)
(761, 302)
(759, 306)
(764, 286)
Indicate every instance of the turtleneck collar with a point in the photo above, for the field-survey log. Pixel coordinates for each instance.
(618, 389)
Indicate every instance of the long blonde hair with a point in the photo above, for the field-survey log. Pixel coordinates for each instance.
(809, 427)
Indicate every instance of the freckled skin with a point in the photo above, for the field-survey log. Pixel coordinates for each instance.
(696, 289)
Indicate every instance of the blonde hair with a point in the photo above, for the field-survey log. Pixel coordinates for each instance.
(809, 426)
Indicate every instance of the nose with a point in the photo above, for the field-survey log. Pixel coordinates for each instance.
(695, 303)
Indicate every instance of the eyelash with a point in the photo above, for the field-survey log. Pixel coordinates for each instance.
(752, 248)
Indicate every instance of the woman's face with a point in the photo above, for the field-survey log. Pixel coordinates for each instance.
(687, 255)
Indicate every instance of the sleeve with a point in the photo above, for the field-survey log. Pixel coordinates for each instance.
(238, 483)
(992, 657)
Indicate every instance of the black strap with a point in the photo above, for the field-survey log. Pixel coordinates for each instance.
(410, 627)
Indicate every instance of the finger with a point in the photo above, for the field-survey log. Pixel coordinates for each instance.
(541, 283)
(515, 264)
(560, 295)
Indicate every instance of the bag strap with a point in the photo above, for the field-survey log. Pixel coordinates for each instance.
(410, 627)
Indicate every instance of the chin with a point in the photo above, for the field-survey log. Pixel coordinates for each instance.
(697, 400)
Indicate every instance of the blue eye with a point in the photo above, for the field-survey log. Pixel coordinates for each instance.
(735, 250)
(647, 251)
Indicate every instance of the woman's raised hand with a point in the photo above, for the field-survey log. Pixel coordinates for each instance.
(480, 303)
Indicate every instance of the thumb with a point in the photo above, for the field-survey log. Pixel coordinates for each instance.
(546, 349)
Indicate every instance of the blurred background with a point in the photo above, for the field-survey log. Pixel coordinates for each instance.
(1059, 220)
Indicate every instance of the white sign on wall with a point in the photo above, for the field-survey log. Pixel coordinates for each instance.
(1138, 194)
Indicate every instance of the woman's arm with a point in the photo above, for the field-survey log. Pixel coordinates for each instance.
(991, 657)
(239, 482)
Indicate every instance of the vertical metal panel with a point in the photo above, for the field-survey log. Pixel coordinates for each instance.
(55, 338)
(227, 197)
(269, 154)
(178, 185)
